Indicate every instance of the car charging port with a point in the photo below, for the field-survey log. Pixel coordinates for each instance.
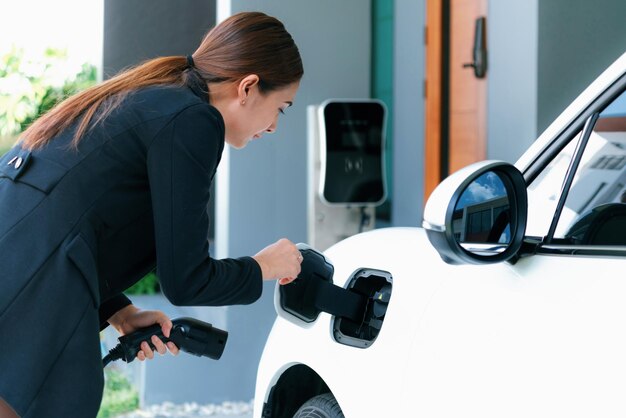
(375, 287)
(358, 310)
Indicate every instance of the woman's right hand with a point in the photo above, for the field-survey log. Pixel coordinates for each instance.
(280, 260)
(130, 318)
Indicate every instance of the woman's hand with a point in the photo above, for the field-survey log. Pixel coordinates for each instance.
(280, 260)
(130, 318)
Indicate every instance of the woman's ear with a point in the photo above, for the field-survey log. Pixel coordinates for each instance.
(246, 85)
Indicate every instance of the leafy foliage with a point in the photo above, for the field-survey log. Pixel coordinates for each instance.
(5, 144)
(149, 285)
(119, 395)
(29, 88)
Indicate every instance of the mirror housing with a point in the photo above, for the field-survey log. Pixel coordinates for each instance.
(442, 204)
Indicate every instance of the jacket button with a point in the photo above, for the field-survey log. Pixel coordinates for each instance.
(18, 163)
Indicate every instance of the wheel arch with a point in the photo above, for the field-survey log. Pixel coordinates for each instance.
(294, 387)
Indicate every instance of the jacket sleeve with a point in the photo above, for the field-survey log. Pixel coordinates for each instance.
(181, 162)
(109, 307)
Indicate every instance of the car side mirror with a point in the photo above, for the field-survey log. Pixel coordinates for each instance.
(478, 214)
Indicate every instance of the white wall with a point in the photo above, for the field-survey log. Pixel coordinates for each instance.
(408, 117)
(512, 78)
(542, 54)
(578, 39)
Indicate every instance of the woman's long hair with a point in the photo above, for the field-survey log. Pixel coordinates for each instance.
(245, 43)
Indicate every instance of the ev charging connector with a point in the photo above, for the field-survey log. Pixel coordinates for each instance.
(190, 335)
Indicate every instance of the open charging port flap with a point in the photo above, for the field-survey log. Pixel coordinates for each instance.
(358, 310)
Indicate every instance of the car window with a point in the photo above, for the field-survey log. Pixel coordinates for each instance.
(595, 209)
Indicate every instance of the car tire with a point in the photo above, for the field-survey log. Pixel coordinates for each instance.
(321, 406)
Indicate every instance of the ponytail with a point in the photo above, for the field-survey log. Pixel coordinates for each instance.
(245, 43)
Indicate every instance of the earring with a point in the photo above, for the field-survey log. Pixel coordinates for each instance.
(243, 102)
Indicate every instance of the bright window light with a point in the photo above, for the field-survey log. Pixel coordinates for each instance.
(75, 26)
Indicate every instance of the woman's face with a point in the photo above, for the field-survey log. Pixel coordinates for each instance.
(253, 113)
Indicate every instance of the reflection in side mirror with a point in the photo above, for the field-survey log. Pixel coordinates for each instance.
(477, 215)
(481, 222)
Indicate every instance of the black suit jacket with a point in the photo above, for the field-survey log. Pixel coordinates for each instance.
(132, 197)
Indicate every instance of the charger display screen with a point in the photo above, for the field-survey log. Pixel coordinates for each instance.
(354, 152)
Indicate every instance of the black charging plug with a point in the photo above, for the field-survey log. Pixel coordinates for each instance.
(190, 335)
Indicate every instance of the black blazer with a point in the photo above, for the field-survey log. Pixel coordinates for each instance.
(132, 197)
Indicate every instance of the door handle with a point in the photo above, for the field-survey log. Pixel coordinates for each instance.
(480, 49)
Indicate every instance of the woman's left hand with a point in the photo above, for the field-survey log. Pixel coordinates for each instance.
(131, 318)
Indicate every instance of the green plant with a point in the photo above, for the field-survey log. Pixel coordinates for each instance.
(149, 285)
(29, 87)
(119, 395)
(5, 144)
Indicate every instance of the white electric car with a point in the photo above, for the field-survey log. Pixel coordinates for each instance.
(509, 302)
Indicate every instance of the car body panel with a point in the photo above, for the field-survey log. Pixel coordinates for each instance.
(443, 328)
(412, 289)
(416, 279)
(533, 339)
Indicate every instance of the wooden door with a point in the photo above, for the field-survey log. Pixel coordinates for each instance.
(456, 122)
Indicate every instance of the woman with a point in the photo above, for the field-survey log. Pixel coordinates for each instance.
(114, 182)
